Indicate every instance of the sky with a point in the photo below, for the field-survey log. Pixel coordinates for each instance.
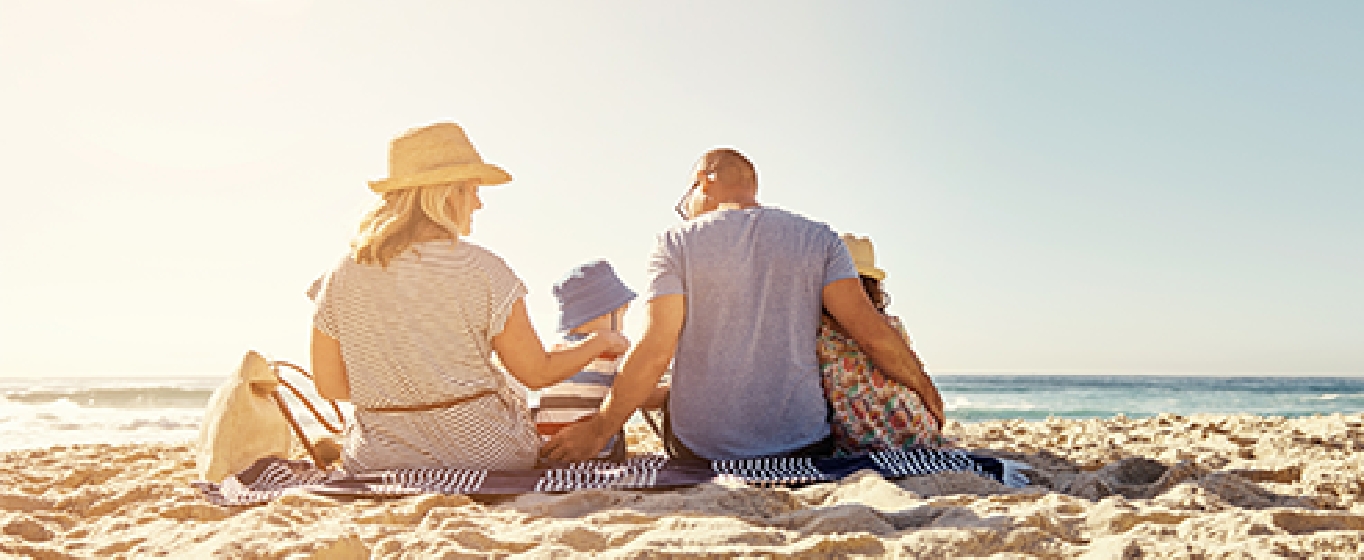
(1060, 187)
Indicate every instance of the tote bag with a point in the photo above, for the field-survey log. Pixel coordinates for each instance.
(243, 423)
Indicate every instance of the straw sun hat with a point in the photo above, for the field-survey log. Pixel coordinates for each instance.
(863, 255)
(432, 155)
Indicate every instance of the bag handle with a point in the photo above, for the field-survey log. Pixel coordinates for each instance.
(288, 416)
(341, 418)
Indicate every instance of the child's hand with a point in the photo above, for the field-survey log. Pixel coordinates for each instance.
(617, 344)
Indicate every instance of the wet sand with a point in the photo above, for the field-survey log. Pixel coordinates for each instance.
(1168, 487)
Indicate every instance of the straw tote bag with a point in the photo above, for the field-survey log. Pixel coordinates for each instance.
(242, 422)
(247, 419)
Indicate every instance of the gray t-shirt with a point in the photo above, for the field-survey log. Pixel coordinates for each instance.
(745, 378)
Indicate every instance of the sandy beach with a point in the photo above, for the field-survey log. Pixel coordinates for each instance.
(1170, 486)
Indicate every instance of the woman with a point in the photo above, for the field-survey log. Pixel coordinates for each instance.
(871, 411)
(407, 322)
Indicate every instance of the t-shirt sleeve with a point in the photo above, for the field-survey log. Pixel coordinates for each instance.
(505, 289)
(325, 315)
(665, 272)
(316, 287)
(839, 264)
(503, 310)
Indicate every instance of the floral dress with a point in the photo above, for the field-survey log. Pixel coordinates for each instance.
(870, 411)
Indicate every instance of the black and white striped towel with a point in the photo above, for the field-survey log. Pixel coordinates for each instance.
(269, 478)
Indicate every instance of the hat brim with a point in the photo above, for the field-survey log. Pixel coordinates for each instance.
(567, 323)
(872, 272)
(485, 173)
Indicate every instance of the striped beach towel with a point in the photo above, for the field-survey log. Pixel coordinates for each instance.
(270, 478)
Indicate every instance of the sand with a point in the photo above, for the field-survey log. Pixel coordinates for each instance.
(1164, 487)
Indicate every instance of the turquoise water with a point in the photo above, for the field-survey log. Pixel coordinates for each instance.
(972, 398)
(39, 412)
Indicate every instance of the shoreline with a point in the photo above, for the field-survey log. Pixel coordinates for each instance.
(1166, 486)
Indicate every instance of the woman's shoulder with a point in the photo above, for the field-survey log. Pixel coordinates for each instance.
(338, 269)
(463, 252)
(467, 256)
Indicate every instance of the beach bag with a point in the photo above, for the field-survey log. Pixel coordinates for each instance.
(247, 418)
(242, 422)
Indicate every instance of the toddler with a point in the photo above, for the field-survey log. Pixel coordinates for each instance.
(591, 297)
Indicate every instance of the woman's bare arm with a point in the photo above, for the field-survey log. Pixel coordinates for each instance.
(526, 359)
(329, 370)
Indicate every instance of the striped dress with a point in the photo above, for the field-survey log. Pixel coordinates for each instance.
(420, 332)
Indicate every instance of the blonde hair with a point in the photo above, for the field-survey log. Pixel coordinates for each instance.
(402, 216)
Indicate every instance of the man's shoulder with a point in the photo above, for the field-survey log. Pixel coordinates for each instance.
(777, 226)
(797, 218)
(782, 224)
(762, 215)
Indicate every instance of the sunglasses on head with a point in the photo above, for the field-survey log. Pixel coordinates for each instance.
(681, 207)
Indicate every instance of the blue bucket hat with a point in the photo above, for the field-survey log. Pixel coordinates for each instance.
(589, 291)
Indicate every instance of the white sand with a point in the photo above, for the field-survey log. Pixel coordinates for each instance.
(1191, 487)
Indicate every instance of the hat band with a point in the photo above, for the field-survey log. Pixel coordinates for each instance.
(485, 173)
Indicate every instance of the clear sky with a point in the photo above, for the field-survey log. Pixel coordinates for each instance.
(1141, 187)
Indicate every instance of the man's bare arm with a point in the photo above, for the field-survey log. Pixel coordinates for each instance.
(849, 304)
(644, 366)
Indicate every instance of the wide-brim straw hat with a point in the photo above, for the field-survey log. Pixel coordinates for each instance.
(434, 155)
(863, 255)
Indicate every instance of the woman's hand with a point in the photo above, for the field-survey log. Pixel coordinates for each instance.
(616, 343)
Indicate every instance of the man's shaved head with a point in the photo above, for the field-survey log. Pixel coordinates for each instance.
(731, 168)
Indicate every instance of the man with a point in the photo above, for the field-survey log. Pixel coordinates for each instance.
(735, 296)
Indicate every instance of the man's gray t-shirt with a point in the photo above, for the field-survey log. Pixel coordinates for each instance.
(746, 382)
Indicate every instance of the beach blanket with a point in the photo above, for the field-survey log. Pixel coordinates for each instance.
(271, 477)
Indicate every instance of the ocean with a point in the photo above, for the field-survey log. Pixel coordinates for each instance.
(41, 412)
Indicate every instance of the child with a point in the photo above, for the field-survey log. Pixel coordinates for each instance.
(590, 298)
(870, 411)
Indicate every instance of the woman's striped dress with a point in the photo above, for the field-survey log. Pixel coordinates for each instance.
(420, 332)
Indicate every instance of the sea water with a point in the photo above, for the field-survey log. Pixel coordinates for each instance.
(41, 412)
(971, 398)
